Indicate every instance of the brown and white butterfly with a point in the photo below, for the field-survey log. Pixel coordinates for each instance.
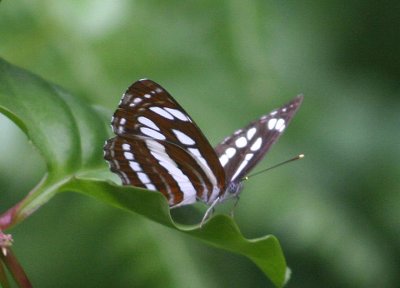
(159, 147)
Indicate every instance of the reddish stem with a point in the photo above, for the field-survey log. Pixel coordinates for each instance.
(8, 258)
(9, 218)
(14, 215)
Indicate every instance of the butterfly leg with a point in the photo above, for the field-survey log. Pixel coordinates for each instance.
(234, 205)
(209, 212)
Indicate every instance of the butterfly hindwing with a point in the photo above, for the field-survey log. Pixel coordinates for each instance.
(241, 151)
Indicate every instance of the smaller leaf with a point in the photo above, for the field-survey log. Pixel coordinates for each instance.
(220, 231)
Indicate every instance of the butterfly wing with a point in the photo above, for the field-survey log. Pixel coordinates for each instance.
(159, 147)
(241, 151)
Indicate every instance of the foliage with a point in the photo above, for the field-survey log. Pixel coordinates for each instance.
(336, 213)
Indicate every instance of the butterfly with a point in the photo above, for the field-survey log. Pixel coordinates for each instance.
(159, 147)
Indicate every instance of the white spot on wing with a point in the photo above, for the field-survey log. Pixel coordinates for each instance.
(280, 125)
(273, 112)
(154, 146)
(256, 145)
(147, 96)
(248, 156)
(135, 101)
(152, 133)
(150, 186)
(178, 114)
(272, 123)
(251, 132)
(238, 132)
(135, 166)
(195, 152)
(241, 142)
(143, 177)
(161, 112)
(126, 147)
(243, 165)
(128, 155)
(230, 152)
(240, 168)
(183, 138)
(169, 165)
(122, 121)
(146, 121)
(223, 159)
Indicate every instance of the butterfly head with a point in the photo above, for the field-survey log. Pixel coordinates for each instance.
(233, 190)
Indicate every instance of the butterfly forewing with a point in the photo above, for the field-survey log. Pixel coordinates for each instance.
(159, 147)
(241, 151)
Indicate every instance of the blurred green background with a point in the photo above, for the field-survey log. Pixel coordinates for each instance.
(336, 213)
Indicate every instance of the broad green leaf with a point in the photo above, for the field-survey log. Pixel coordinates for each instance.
(70, 135)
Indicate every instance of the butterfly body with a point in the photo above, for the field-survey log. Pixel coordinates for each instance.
(159, 147)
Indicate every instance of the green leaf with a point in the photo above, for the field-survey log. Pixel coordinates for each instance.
(70, 135)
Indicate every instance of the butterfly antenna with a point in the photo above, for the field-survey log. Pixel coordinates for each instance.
(298, 157)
